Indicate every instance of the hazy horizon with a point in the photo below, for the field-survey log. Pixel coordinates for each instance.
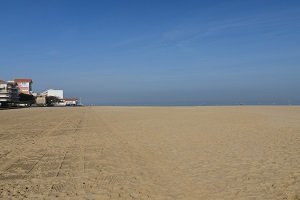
(155, 52)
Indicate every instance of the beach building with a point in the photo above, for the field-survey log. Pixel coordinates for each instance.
(24, 85)
(9, 92)
(54, 93)
(71, 101)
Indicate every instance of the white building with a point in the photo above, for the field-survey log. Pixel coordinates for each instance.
(71, 101)
(54, 93)
(9, 92)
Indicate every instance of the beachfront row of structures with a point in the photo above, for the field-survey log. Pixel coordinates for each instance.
(19, 93)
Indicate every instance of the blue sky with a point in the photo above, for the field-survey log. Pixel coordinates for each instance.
(155, 52)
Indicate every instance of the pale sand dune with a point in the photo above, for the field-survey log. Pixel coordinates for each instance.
(150, 153)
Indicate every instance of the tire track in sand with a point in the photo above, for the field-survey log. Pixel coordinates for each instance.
(17, 155)
(70, 172)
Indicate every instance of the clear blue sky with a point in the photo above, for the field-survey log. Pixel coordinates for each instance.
(155, 52)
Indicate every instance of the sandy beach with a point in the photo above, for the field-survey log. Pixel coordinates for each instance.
(241, 152)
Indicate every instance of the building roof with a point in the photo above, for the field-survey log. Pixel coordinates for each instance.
(70, 99)
(27, 80)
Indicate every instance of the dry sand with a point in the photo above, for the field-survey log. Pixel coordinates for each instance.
(150, 153)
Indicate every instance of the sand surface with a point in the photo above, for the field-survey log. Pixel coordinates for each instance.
(150, 153)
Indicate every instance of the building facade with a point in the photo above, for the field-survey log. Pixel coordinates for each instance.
(54, 93)
(24, 85)
(71, 101)
(9, 92)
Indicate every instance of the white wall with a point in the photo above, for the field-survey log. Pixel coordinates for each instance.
(55, 93)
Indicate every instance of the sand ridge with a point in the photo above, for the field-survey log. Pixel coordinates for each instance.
(230, 152)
